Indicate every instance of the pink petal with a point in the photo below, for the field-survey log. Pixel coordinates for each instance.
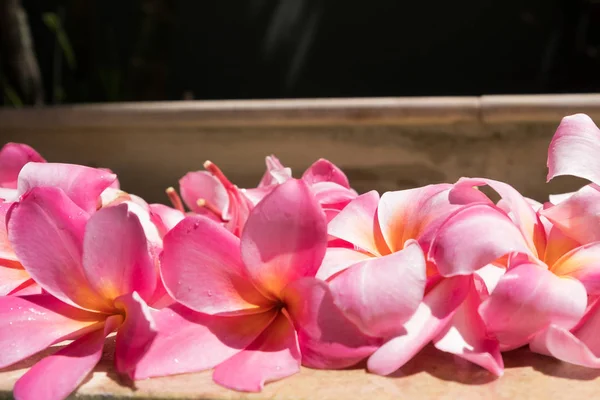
(188, 341)
(11, 278)
(465, 335)
(46, 229)
(83, 185)
(201, 268)
(574, 149)
(272, 356)
(472, 237)
(490, 275)
(6, 251)
(135, 335)
(357, 223)
(529, 298)
(583, 264)
(32, 323)
(325, 171)
(409, 214)
(275, 174)
(203, 185)
(328, 340)
(115, 254)
(559, 244)
(380, 294)
(338, 259)
(332, 195)
(27, 288)
(56, 376)
(565, 346)
(577, 216)
(165, 218)
(431, 316)
(285, 238)
(518, 208)
(13, 156)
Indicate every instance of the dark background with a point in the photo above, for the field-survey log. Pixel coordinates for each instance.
(248, 49)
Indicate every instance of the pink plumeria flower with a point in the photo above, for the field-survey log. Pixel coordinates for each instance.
(386, 286)
(97, 275)
(548, 277)
(251, 307)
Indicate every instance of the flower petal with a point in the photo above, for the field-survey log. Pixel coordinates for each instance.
(83, 185)
(565, 346)
(574, 149)
(188, 341)
(431, 316)
(203, 185)
(201, 268)
(413, 214)
(472, 237)
(285, 238)
(135, 335)
(583, 264)
(325, 171)
(165, 218)
(59, 374)
(332, 195)
(338, 259)
(115, 254)
(357, 223)
(6, 251)
(578, 216)
(272, 356)
(328, 340)
(11, 278)
(13, 156)
(465, 335)
(527, 299)
(46, 230)
(275, 174)
(32, 323)
(380, 294)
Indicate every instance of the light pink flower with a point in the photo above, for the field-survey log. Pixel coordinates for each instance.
(251, 307)
(386, 286)
(97, 275)
(549, 275)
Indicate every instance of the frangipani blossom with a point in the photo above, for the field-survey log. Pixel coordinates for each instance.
(549, 275)
(384, 284)
(251, 307)
(97, 275)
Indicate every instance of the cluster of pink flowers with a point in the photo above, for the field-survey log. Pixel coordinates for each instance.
(256, 282)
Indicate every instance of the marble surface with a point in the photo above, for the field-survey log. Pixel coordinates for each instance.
(430, 375)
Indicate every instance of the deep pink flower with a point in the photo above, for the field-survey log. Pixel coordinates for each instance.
(97, 275)
(251, 307)
(548, 275)
(384, 283)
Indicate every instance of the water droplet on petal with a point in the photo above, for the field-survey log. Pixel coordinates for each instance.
(209, 293)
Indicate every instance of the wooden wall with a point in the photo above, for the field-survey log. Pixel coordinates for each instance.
(381, 143)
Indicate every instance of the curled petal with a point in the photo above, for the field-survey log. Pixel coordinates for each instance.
(201, 268)
(325, 171)
(135, 335)
(574, 149)
(529, 298)
(465, 335)
(327, 338)
(188, 341)
(275, 174)
(165, 218)
(46, 230)
(357, 223)
(409, 214)
(338, 259)
(332, 195)
(83, 185)
(203, 185)
(431, 316)
(272, 356)
(382, 293)
(565, 346)
(57, 375)
(472, 237)
(13, 156)
(6, 251)
(583, 264)
(32, 323)
(115, 254)
(578, 216)
(285, 238)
